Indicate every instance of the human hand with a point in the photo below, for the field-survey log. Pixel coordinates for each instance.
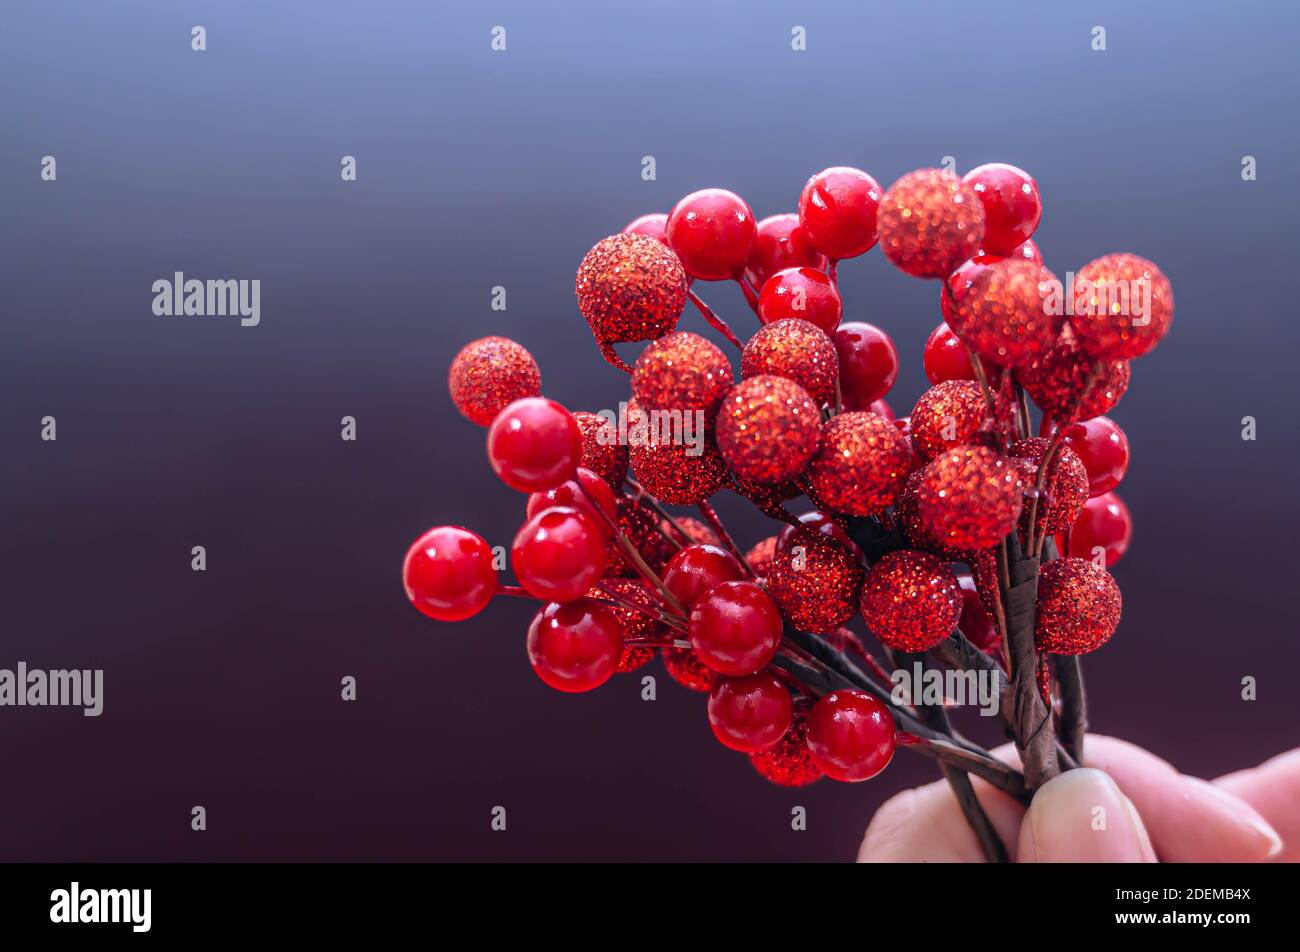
(1150, 813)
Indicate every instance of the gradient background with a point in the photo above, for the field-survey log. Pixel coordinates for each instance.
(477, 169)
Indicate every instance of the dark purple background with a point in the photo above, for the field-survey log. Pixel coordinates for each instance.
(478, 169)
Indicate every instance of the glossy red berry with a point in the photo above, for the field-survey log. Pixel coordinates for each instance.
(851, 736)
(654, 225)
(801, 293)
(735, 628)
(780, 242)
(575, 646)
(1103, 528)
(534, 444)
(1103, 448)
(1012, 205)
(838, 209)
(578, 493)
(697, 568)
(712, 231)
(750, 714)
(868, 364)
(559, 554)
(976, 623)
(448, 573)
(945, 357)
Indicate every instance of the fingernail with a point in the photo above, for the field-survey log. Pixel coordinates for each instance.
(1270, 843)
(1081, 816)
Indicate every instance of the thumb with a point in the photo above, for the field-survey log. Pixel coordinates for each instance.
(1080, 816)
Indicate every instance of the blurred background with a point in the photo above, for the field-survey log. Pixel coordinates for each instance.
(479, 168)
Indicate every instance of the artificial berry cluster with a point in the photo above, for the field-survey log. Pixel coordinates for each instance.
(939, 528)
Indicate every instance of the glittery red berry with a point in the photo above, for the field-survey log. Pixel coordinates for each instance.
(630, 287)
(969, 498)
(838, 209)
(1065, 484)
(788, 763)
(802, 294)
(815, 581)
(712, 231)
(534, 444)
(602, 453)
(575, 646)
(490, 373)
(868, 364)
(735, 628)
(767, 429)
(681, 473)
(945, 357)
(796, 350)
(681, 371)
(559, 554)
(448, 573)
(685, 667)
(1000, 311)
(930, 222)
(851, 736)
(1012, 205)
(862, 464)
(911, 600)
(653, 225)
(948, 415)
(697, 568)
(750, 713)
(1123, 306)
(817, 521)
(640, 526)
(1059, 380)
(1103, 448)
(760, 556)
(920, 536)
(781, 242)
(1104, 528)
(1079, 606)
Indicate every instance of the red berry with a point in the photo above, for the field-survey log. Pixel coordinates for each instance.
(1012, 205)
(850, 736)
(712, 232)
(488, 374)
(862, 464)
(559, 554)
(575, 646)
(577, 493)
(800, 293)
(685, 667)
(767, 429)
(930, 222)
(946, 357)
(602, 453)
(534, 445)
(815, 581)
(697, 568)
(1123, 306)
(788, 763)
(630, 287)
(681, 371)
(882, 409)
(1104, 527)
(781, 242)
(1079, 606)
(1000, 310)
(1103, 447)
(448, 573)
(948, 415)
(796, 350)
(838, 210)
(868, 364)
(910, 600)
(654, 225)
(750, 714)
(976, 623)
(735, 628)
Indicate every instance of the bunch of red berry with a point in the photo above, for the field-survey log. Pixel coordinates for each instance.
(941, 528)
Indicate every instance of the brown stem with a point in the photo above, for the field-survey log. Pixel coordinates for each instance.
(1031, 719)
(936, 718)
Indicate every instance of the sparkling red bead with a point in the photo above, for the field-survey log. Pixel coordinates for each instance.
(948, 415)
(911, 600)
(969, 498)
(490, 373)
(930, 222)
(1123, 306)
(815, 580)
(1065, 484)
(630, 287)
(862, 464)
(767, 429)
(797, 350)
(788, 763)
(1001, 313)
(1079, 606)
(1061, 382)
(681, 371)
